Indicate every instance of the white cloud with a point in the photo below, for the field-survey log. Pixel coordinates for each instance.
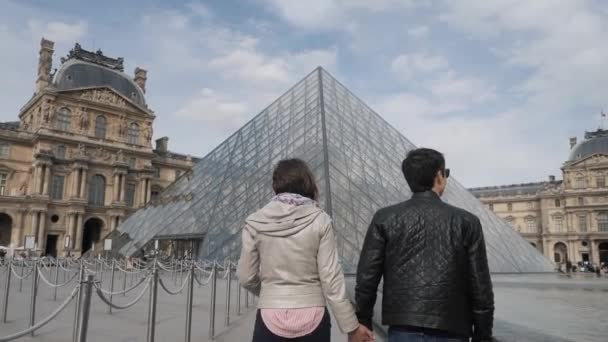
(409, 65)
(334, 14)
(418, 31)
(464, 89)
(57, 31)
(561, 47)
(215, 110)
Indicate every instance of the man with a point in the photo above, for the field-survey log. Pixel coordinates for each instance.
(433, 259)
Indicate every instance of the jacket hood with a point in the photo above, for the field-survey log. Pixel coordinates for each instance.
(281, 220)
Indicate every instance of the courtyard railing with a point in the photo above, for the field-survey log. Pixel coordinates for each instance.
(145, 277)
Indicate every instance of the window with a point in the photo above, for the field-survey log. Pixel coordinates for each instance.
(559, 223)
(55, 218)
(154, 193)
(600, 181)
(131, 162)
(531, 225)
(97, 190)
(100, 127)
(133, 133)
(64, 119)
(582, 223)
(130, 194)
(510, 220)
(510, 206)
(580, 182)
(3, 177)
(57, 187)
(157, 172)
(581, 201)
(60, 152)
(5, 150)
(558, 203)
(602, 222)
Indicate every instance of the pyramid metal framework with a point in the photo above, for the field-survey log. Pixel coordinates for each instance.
(355, 155)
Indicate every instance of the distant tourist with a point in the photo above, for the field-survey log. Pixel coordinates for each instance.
(432, 257)
(568, 266)
(289, 259)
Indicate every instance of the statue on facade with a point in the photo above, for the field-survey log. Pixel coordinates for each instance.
(120, 157)
(81, 150)
(124, 127)
(148, 132)
(23, 188)
(83, 119)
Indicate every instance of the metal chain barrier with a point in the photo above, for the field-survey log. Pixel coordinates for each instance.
(117, 306)
(22, 277)
(50, 284)
(43, 322)
(162, 284)
(108, 293)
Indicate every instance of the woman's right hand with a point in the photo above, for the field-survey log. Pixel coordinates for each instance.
(361, 334)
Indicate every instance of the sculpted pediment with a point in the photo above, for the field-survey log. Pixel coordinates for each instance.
(106, 96)
(595, 159)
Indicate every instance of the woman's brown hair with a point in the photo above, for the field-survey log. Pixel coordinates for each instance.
(294, 176)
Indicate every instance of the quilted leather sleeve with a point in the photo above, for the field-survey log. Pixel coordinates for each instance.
(480, 285)
(369, 273)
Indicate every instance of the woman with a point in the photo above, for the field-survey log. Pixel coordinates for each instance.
(289, 260)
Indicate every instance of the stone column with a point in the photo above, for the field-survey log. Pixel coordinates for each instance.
(115, 188)
(79, 228)
(148, 190)
(47, 179)
(123, 188)
(42, 233)
(83, 184)
(37, 179)
(595, 251)
(34, 229)
(75, 182)
(72, 228)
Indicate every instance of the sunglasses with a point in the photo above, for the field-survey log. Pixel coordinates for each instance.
(446, 173)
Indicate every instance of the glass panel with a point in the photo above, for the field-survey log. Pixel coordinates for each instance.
(57, 187)
(100, 127)
(3, 177)
(5, 150)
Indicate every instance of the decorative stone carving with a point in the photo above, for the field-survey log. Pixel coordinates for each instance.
(122, 126)
(104, 96)
(48, 112)
(96, 57)
(120, 157)
(81, 151)
(23, 188)
(148, 132)
(101, 154)
(83, 119)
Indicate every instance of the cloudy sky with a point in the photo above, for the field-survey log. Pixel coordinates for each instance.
(499, 85)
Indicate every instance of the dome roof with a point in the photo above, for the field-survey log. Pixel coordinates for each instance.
(75, 73)
(594, 143)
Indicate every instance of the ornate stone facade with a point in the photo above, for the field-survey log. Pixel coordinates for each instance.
(80, 158)
(566, 220)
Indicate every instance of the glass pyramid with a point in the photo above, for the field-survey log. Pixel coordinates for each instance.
(355, 155)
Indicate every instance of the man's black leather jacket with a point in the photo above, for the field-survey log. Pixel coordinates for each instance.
(432, 257)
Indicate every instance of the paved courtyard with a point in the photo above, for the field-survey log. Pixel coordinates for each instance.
(529, 308)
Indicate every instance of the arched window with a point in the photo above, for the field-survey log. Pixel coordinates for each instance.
(100, 127)
(602, 222)
(133, 133)
(64, 119)
(97, 190)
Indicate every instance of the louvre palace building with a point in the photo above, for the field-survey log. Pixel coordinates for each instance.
(565, 219)
(80, 158)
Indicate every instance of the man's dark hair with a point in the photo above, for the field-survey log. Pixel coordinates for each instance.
(294, 176)
(420, 168)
